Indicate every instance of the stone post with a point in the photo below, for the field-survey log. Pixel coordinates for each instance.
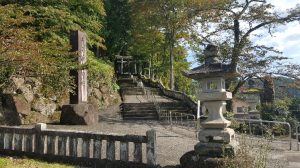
(79, 112)
(78, 42)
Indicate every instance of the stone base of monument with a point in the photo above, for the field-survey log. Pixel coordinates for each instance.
(216, 149)
(214, 146)
(192, 160)
(225, 135)
(78, 114)
(208, 155)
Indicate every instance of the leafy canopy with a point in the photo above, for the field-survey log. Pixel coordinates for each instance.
(34, 37)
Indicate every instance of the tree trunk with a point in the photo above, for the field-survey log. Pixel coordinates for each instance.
(172, 45)
(236, 48)
(268, 95)
(172, 83)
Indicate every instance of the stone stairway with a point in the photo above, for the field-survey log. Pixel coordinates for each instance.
(137, 105)
(139, 111)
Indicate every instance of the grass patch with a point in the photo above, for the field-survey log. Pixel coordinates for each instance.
(12, 162)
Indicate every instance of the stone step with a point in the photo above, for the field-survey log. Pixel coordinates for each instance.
(132, 90)
(140, 118)
(139, 115)
(132, 112)
(122, 85)
(132, 93)
(179, 111)
(174, 108)
(129, 109)
(172, 104)
(139, 110)
(136, 104)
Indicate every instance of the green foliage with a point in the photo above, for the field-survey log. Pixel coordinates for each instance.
(23, 55)
(252, 90)
(99, 70)
(278, 111)
(117, 27)
(115, 87)
(35, 41)
(159, 29)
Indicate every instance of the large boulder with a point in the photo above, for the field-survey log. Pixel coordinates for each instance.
(78, 114)
(44, 106)
(27, 92)
(17, 103)
(21, 87)
(97, 93)
(13, 109)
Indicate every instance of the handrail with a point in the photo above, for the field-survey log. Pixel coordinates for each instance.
(151, 96)
(297, 135)
(266, 121)
(169, 115)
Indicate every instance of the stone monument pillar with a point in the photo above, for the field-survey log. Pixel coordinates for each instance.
(216, 139)
(79, 112)
(78, 42)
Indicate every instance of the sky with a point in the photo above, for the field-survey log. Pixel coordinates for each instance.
(286, 38)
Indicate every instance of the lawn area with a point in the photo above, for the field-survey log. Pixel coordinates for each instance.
(12, 162)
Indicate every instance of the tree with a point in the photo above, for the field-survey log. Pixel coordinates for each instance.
(166, 23)
(232, 26)
(117, 27)
(268, 95)
(34, 37)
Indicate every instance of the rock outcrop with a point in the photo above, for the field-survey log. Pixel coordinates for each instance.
(24, 102)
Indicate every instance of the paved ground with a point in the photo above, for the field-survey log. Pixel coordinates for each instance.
(173, 143)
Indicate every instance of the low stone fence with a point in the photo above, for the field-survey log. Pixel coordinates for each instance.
(77, 144)
(172, 93)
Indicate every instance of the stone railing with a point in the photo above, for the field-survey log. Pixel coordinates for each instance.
(172, 93)
(77, 144)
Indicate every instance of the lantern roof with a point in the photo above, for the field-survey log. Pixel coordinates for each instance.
(212, 67)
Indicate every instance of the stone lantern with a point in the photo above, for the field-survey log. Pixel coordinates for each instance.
(216, 139)
(252, 99)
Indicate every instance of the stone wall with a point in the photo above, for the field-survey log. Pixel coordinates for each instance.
(24, 103)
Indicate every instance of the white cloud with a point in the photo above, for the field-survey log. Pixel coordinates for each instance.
(287, 37)
(283, 4)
